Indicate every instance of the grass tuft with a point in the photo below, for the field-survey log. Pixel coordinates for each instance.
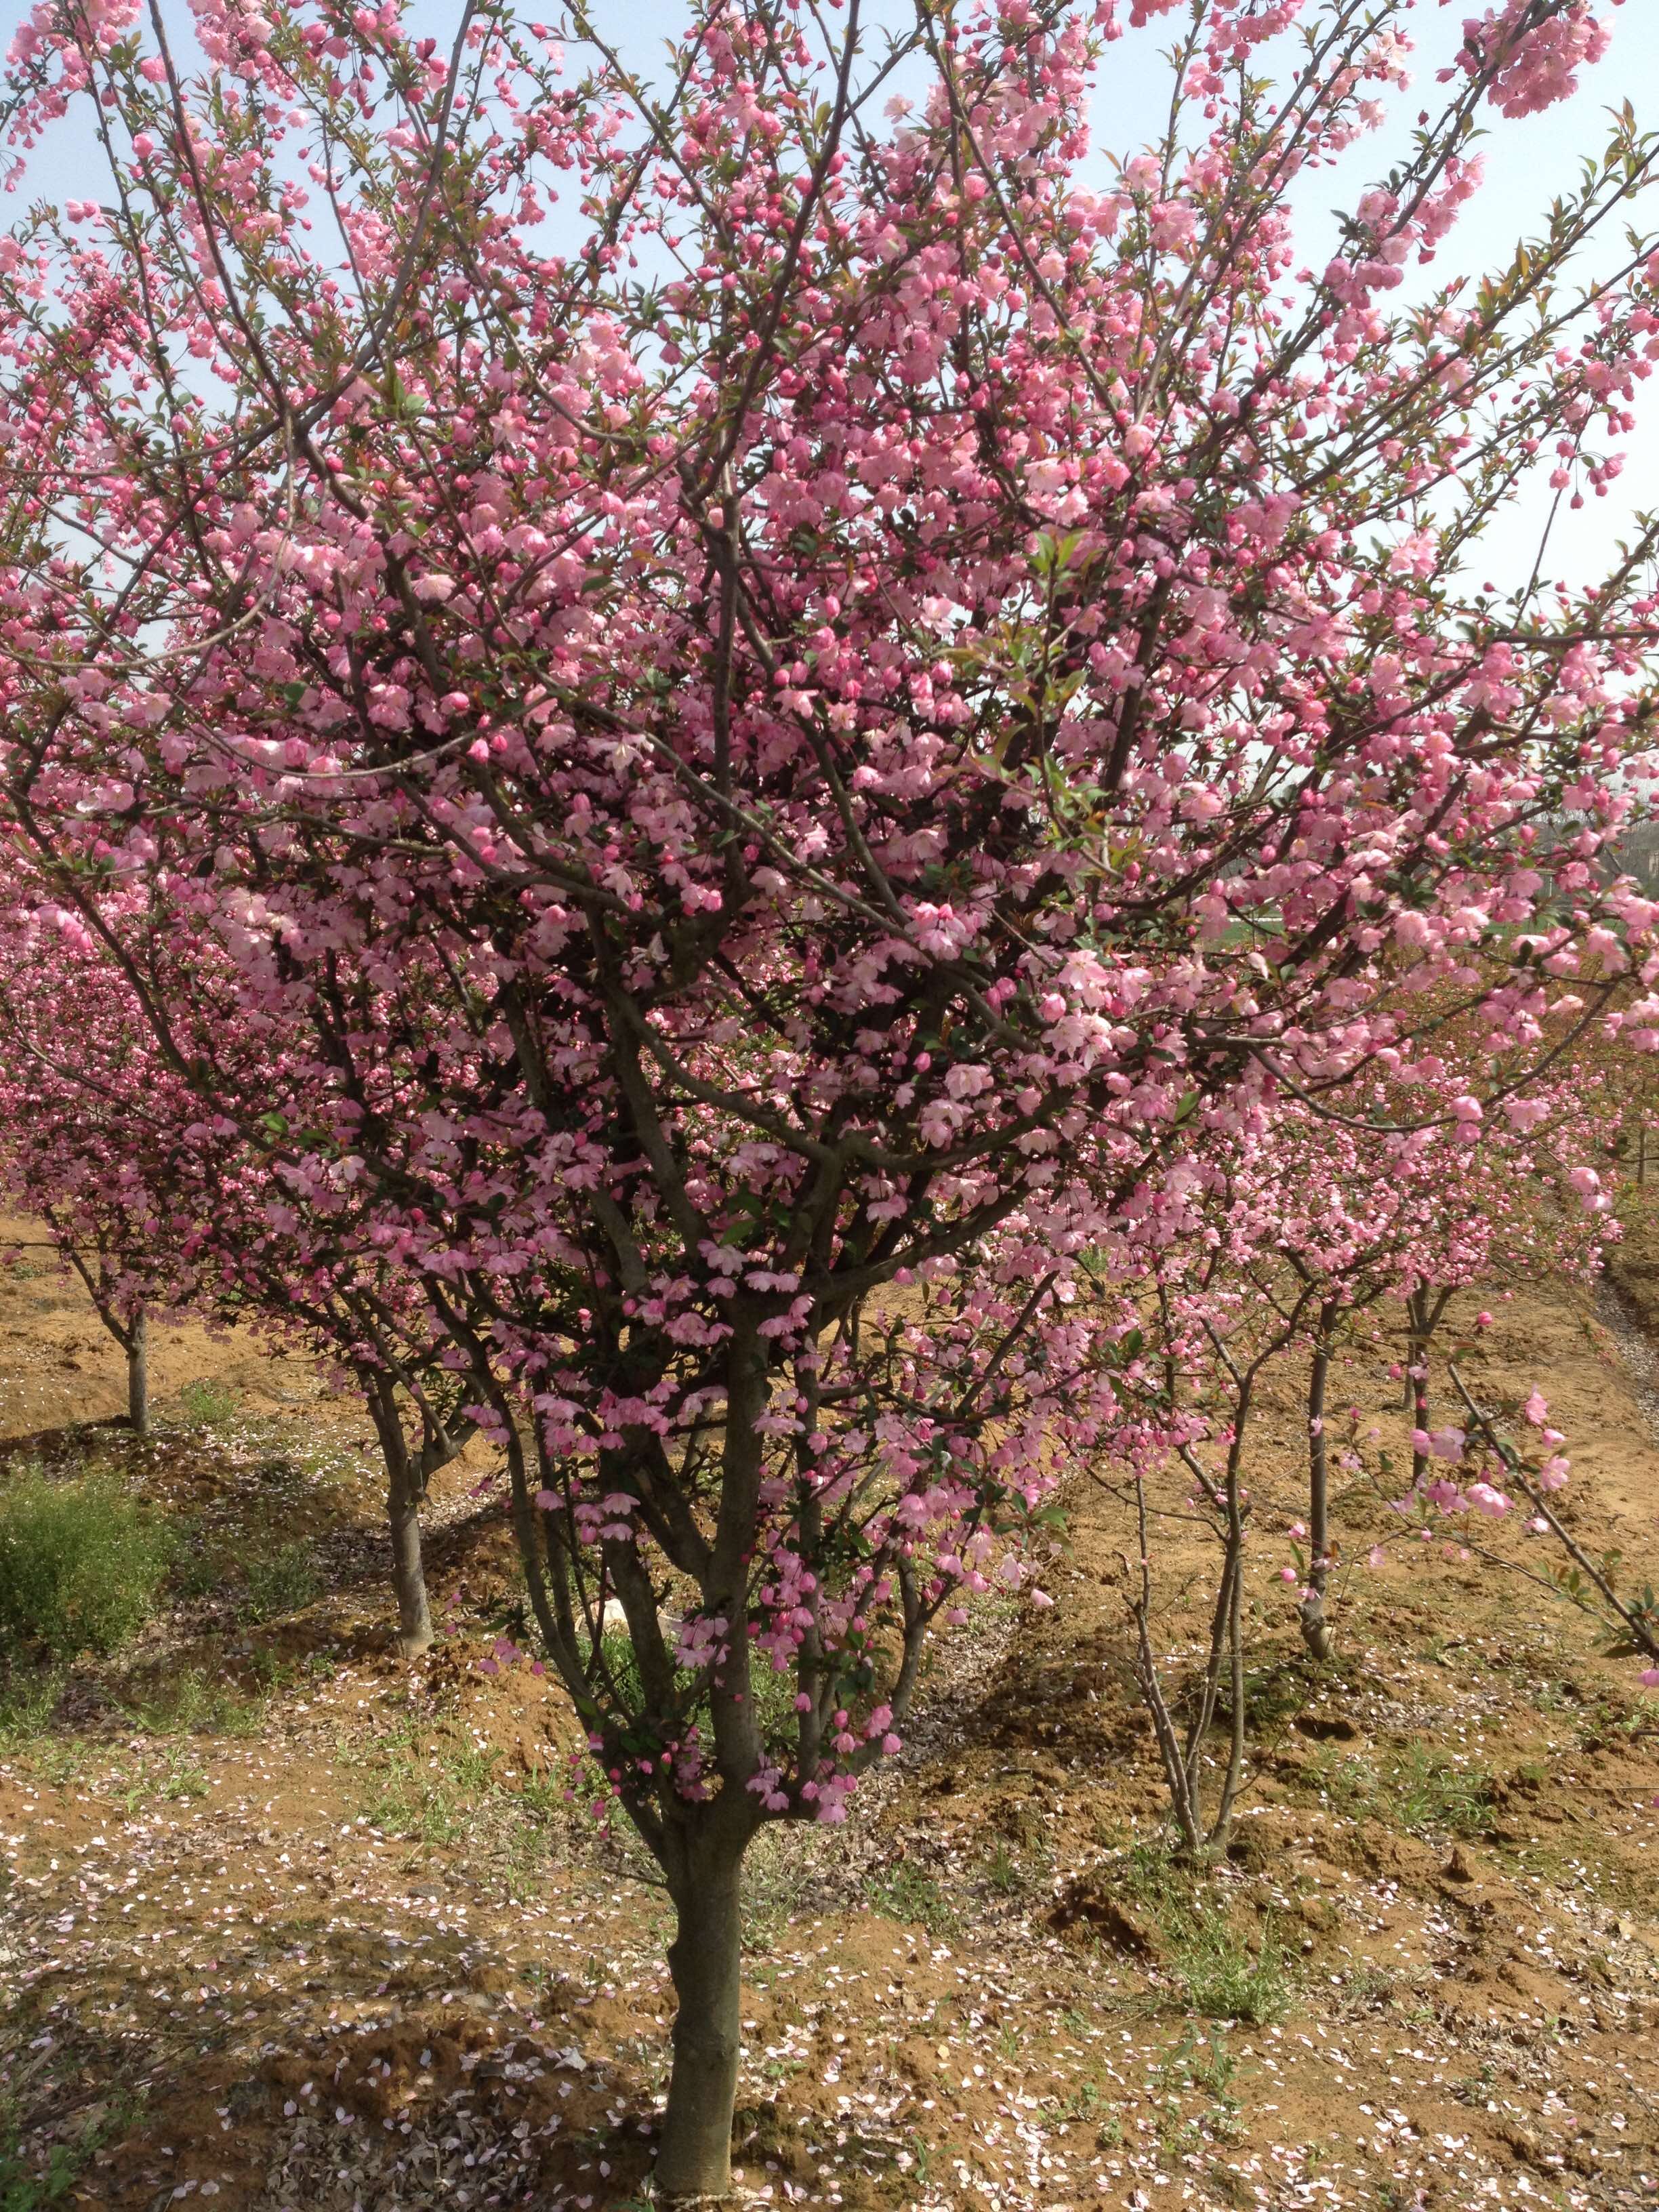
(32, 2184)
(1222, 1978)
(1419, 1790)
(205, 1403)
(905, 1893)
(82, 1566)
(282, 1581)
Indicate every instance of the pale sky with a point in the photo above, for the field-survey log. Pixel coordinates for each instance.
(1527, 162)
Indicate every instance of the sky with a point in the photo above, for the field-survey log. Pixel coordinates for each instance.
(1527, 163)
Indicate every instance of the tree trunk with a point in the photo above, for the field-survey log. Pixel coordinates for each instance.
(1233, 1781)
(137, 1350)
(694, 2163)
(1315, 1628)
(1417, 1380)
(407, 1573)
(402, 1509)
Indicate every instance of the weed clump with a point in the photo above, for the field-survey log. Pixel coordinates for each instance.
(81, 1565)
(1419, 1790)
(207, 1404)
(1223, 1978)
(1219, 1975)
(282, 1581)
(915, 1899)
(30, 2184)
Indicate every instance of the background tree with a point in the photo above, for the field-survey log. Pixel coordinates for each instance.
(160, 1203)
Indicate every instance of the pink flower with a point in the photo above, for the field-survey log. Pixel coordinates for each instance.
(1439, 1444)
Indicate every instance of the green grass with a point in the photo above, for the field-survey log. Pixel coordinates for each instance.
(206, 1403)
(34, 2186)
(1019, 1868)
(1091, 2104)
(773, 1693)
(907, 1895)
(451, 1793)
(416, 1798)
(1615, 1723)
(1002, 1871)
(177, 1779)
(282, 1581)
(1421, 1791)
(198, 1570)
(1367, 1985)
(189, 1700)
(181, 1778)
(1282, 1688)
(1222, 1978)
(81, 1565)
(778, 1872)
(29, 1698)
(1219, 1976)
(1149, 1876)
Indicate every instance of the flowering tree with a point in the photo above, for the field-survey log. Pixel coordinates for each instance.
(160, 1202)
(1352, 1213)
(777, 707)
(1265, 1251)
(1215, 1332)
(72, 1159)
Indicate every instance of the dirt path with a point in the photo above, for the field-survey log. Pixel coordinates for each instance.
(288, 1925)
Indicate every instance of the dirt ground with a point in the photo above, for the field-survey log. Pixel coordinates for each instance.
(288, 1924)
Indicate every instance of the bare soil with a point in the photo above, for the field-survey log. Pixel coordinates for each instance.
(288, 1923)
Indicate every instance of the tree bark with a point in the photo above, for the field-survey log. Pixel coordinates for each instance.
(694, 2162)
(1315, 1628)
(137, 1350)
(409, 1574)
(1233, 1781)
(132, 1335)
(402, 1508)
(1417, 1381)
